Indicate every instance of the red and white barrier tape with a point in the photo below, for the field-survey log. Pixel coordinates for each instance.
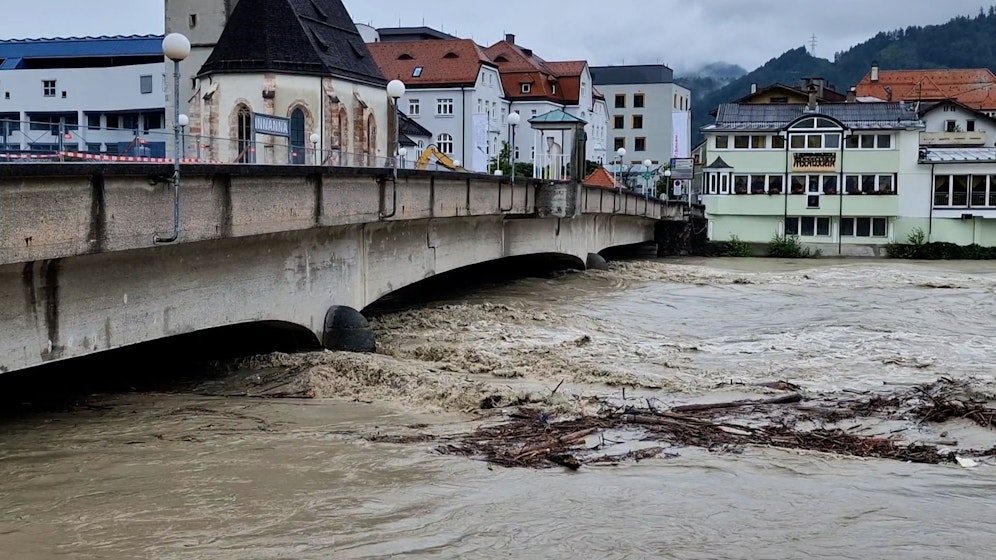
(128, 159)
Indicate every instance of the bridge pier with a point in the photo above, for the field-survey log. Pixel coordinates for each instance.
(347, 330)
(596, 262)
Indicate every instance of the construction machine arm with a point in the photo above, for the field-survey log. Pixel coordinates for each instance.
(432, 152)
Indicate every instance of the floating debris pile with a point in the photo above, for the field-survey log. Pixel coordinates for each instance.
(529, 438)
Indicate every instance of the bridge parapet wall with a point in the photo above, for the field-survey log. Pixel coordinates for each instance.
(51, 211)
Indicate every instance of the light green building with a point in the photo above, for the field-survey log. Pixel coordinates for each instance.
(847, 178)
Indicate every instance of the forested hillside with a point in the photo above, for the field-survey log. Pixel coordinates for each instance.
(963, 42)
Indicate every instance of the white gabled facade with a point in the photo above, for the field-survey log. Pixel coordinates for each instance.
(949, 123)
(452, 113)
(469, 117)
(598, 146)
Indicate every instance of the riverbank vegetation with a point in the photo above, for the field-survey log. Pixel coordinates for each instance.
(780, 247)
(789, 247)
(917, 247)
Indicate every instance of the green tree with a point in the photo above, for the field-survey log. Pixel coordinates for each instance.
(504, 162)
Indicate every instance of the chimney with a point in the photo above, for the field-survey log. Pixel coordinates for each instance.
(820, 83)
(852, 95)
(753, 88)
(510, 38)
(874, 75)
(811, 106)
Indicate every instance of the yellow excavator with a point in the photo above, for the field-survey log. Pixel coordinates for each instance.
(432, 152)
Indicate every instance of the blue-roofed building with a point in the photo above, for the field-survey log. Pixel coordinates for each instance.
(83, 94)
(849, 178)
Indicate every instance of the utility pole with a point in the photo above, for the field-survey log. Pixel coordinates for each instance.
(812, 45)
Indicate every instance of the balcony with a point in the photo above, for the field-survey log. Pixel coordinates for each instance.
(940, 139)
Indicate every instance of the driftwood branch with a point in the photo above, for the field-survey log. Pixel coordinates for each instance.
(787, 399)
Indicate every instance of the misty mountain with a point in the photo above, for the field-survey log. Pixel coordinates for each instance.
(963, 42)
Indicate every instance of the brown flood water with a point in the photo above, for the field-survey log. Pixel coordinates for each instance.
(184, 475)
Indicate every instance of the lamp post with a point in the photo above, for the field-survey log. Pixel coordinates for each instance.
(513, 121)
(667, 183)
(621, 152)
(183, 121)
(646, 177)
(176, 47)
(315, 138)
(402, 154)
(396, 90)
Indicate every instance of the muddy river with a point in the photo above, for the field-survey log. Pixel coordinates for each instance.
(212, 471)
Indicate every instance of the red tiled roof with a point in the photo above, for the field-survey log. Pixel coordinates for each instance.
(974, 87)
(519, 65)
(602, 179)
(516, 58)
(443, 62)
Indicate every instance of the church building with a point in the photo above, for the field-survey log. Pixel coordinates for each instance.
(283, 74)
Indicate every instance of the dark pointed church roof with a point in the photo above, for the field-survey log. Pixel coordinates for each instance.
(314, 37)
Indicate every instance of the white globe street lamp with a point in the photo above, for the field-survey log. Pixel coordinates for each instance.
(176, 47)
(646, 177)
(621, 152)
(396, 90)
(315, 139)
(183, 121)
(513, 121)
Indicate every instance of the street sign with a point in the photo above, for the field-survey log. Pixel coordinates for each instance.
(270, 125)
(682, 168)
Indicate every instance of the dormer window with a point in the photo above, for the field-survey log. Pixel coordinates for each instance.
(451, 55)
(417, 72)
(527, 88)
(501, 58)
(406, 56)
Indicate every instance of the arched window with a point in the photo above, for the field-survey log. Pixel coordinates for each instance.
(371, 147)
(243, 127)
(444, 143)
(815, 133)
(342, 140)
(298, 150)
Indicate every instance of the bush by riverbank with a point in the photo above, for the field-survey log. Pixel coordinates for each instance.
(916, 247)
(787, 247)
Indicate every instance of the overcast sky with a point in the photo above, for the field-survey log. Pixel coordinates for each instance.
(681, 33)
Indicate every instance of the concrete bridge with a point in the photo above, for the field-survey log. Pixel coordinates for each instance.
(80, 272)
